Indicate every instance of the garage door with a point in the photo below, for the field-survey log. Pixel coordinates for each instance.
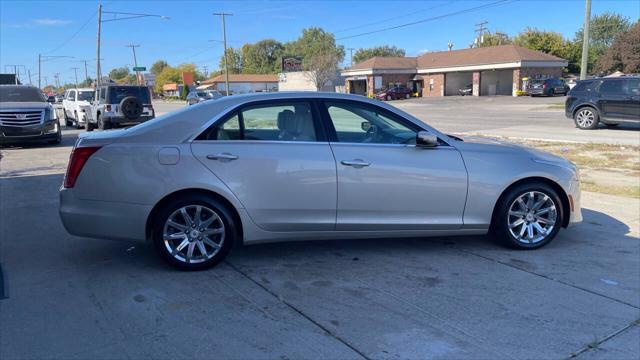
(455, 81)
(496, 82)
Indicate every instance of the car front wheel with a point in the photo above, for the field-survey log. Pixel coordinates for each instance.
(586, 118)
(529, 216)
(194, 233)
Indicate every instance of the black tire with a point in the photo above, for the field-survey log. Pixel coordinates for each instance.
(389, 98)
(90, 126)
(585, 124)
(67, 121)
(502, 219)
(103, 124)
(161, 217)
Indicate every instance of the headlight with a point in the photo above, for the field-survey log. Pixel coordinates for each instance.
(50, 114)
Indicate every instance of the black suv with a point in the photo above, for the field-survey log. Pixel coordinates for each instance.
(25, 116)
(547, 87)
(120, 105)
(611, 101)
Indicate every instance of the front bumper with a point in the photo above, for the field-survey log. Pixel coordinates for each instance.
(536, 92)
(103, 219)
(574, 194)
(41, 132)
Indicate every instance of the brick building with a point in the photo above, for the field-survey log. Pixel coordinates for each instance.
(494, 70)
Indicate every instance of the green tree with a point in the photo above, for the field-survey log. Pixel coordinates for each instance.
(185, 92)
(118, 74)
(495, 39)
(603, 29)
(168, 75)
(234, 57)
(158, 66)
(623, 54)
(262, 57)
(191, 68)
(363, 54)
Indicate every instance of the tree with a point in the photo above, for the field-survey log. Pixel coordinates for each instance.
(363, 54)
(158, 66)
(321, 69)
(494, 39)
(623, 53)
(234, 57)
(118, 74)
(168, 75)
(546, 41)
(262, 57)
(185, 92)
(603, 29)
(191, 68)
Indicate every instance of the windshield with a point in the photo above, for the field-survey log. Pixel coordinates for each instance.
(202, 94)
(116, 94)
(20, 94)
(85, 95)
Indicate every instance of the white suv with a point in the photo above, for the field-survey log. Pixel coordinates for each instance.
(77, 105)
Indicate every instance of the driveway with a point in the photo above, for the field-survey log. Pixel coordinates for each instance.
(71, 297)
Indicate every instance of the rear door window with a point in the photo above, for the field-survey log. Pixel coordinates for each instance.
(612, 87)
(116, 94)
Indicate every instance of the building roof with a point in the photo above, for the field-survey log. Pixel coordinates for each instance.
(482, 56)
(243, 78)
(384, 62)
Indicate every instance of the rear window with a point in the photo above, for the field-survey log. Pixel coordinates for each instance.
(20, 94)
(116, 94)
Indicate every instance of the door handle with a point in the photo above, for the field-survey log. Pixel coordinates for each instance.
(222, 156)
(356, 163)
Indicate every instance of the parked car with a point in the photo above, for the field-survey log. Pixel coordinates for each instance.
(76, 106)
(303, 166)
(467, 90)
(59, 98)
(120, 105)
(547, 87)
(26, 116)
(195, 97)
(610, 101)
(51, 99)
(394, 93)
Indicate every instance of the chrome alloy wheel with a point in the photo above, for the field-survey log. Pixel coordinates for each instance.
(193, 234)
(532, 217)
(585, 118)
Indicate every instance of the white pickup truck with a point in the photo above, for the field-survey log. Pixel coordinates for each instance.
(77, 106)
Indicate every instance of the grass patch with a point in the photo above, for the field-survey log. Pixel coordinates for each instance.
(556, 106)
(628, 191)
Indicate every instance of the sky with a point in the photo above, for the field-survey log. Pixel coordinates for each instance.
(191, 33)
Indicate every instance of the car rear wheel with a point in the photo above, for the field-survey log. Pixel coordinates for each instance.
(194, 232)
(103, 124)
(407, 96)
(67, 121)
(586, 118)
(529, 216)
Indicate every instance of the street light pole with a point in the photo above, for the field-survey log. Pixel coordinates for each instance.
(135, 62)
(75, 71)
(40, 58)
(226, 61)
(585, 41)
(98, 75)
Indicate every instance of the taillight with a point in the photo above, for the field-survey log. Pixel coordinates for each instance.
(544, 86)
(77, 159)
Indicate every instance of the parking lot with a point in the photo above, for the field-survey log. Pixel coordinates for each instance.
(463, 297)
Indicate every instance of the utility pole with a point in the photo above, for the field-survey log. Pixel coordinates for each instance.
(98, 75)
(56, 76)
(29, 72)
(480, 29)
(226, 61)
(45, 81)
(86, 73)
(39, 71)
(75, 71)
(585, 41)
(205, 69)
(350, 56)
(135, 61)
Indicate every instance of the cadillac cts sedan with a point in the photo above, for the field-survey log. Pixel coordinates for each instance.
(306, 166)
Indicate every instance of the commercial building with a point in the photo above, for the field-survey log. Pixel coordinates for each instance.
(304, 81)
(242, 83)
(493, 70)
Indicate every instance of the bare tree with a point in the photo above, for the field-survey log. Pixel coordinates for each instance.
(321, 69)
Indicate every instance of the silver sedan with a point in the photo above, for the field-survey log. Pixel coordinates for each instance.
(306, 166)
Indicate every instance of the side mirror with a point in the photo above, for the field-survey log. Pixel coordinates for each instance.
(365, 125)
(426, 139)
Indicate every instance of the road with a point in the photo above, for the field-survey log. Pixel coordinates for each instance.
(458, 297)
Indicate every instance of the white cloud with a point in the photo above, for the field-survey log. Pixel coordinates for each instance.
(51, 22)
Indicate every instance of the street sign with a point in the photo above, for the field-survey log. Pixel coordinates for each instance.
(139, 68)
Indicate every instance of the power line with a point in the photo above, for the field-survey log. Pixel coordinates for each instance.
(392, 18)
(74, 34)
(480, 7)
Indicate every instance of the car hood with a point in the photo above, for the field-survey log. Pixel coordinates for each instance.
(24, 105)
(483, 144)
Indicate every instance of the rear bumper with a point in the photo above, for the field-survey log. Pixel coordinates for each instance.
(103, 219)
(536, 92)
(121, 120)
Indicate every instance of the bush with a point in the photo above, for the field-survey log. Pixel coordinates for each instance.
(184, 93)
